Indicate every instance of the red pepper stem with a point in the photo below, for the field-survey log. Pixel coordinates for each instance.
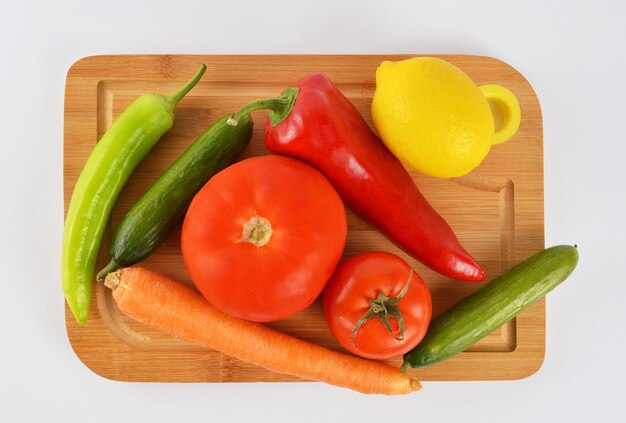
(279, 107)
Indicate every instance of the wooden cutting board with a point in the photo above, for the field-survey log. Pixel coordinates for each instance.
(496, 211)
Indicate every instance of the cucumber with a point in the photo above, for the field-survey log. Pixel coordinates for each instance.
(149, 222)
(491, 306)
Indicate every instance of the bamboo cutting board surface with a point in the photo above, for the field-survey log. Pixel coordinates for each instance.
(496, 211)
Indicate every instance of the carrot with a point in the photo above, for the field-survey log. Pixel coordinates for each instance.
(179, 311)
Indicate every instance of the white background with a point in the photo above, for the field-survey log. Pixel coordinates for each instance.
(572, 53)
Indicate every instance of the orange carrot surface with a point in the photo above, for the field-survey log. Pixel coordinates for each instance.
(179, 311)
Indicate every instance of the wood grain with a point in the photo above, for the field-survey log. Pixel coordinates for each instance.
(496, 211)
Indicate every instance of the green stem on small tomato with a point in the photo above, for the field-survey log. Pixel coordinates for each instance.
(384, 307)
(279, 107)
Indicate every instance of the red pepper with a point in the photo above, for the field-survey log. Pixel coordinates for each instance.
(322, 127)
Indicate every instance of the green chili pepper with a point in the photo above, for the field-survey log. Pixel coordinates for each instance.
(115, 156)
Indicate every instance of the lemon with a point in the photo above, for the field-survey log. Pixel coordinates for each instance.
(432, 116)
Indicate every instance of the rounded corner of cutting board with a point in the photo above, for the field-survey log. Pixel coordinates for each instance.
(79, 64)
(85, 357)
(533, 367)
(529, 366)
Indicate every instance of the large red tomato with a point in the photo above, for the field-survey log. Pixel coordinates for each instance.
(262, 237)
(377, 306)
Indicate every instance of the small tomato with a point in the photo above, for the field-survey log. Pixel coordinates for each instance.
(262, 237)
(377, 306)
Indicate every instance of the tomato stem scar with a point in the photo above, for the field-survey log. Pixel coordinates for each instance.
(257, 231)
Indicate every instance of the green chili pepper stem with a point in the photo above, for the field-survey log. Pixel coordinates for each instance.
(174, 98)
(279, 107)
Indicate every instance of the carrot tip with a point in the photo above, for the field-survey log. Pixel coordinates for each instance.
(415, 385)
